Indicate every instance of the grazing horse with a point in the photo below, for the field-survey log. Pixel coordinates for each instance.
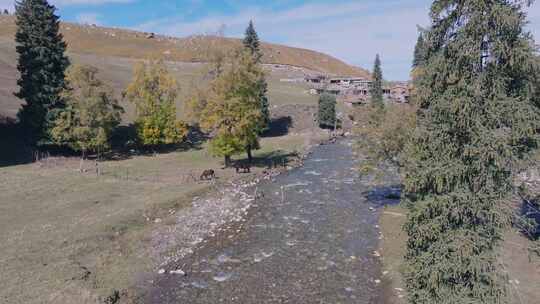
(208, 175)
(242, 168)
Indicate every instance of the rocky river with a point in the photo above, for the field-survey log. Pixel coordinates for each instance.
(311, 236)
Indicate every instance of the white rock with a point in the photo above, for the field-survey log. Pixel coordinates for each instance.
(161, 271)
(178, 271)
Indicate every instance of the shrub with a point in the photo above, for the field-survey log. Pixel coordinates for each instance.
(327, 111)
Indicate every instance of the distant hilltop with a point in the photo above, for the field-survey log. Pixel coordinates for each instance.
(102, 41)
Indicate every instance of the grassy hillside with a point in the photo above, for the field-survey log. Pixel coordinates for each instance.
(117, 72)
(124, 43)
(114, 52)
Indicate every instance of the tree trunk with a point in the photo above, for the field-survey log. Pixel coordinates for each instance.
(250, 157)
(81, 164)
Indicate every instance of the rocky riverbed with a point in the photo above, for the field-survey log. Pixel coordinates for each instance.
(308, 236)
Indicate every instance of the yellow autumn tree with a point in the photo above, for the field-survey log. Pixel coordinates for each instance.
(154, 92)
(91, 112)
(232, 112)
(195, 103)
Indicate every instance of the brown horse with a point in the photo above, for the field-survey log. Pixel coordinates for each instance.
(242, 168)
(208, 175)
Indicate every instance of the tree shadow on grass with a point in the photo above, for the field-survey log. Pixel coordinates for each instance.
(16, 150)
(125, 146)
(530, 217)
(279, 127)
(13, 148)
(274, 159)
(385, 195)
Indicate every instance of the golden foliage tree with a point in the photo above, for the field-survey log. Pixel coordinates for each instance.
(232, 110)
(196, 103)
(91, 111)
(154, 92)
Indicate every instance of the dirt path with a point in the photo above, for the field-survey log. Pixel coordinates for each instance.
(311, 239)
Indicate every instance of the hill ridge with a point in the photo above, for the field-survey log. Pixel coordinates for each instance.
(112, 41)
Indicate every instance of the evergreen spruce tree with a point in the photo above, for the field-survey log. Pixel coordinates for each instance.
(252, 43)
(327, 111)
(377, 89)
(476, 121)
(42, 64)
(418, 59)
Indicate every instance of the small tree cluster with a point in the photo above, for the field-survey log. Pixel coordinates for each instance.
(91, 112)
(327, 111)
(154, 92)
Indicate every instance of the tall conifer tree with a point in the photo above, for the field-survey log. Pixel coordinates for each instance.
(377, 89)
(42, 64)
(419, 57)
(252, 43)
(476, 120)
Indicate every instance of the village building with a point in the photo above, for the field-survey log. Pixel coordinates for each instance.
(400, 93)
(356, 90)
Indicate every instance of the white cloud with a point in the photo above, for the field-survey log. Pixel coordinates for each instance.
(89, 18)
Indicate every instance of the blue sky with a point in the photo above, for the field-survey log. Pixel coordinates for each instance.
(351, 30)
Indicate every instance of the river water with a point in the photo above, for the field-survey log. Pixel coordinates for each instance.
(312, 238)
